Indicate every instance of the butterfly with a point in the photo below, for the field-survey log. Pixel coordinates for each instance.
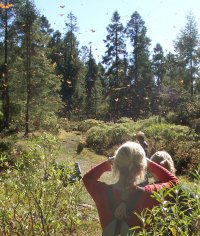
(6, 6)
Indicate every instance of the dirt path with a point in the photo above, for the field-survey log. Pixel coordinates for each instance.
(87, 158)
(68, 146)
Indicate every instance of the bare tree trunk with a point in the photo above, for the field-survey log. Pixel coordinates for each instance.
(6, 99)
(28, 71)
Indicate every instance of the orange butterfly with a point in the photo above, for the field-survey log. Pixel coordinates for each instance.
(7, 6)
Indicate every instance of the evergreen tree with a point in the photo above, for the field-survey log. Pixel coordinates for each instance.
(140, 73)
(35, 86)
(72, 64)
(116, 49)
(6, 15)
(113, 59)
(56, 49)
(187, 45)
(85, 52)
(158, 65)
(90, 79)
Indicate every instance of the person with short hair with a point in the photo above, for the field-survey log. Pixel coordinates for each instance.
(140, 136)
(129, 163)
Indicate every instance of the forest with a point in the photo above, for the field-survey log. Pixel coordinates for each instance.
(50, 85)
(46, 74)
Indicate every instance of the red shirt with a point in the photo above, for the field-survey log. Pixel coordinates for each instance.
(98, 191)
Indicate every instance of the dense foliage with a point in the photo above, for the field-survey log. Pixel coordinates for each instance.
(38, 191)
(180, 141)
(38, 197)
(45, 73)
(48, 81)
(176, 215)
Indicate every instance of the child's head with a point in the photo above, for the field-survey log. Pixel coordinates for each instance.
(140, 136)
(164, 159)
(130, 160)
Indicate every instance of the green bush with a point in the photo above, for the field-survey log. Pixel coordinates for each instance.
(85, 125)
(6, 159)
(178, 140)
(142, 124)
(178, 212)
(118, 134)
(50, 123)
(5, 146)
(69, 125)
(125, 120)
(34, 198)
(104, 137)
(97, 138)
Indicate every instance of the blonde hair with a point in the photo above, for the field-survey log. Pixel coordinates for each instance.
(130, 161)
(164, 159)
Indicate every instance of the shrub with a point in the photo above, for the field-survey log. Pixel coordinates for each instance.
(34, 198)
(5, 146)
(6, 159)
(124, 120)
(118, 134)
(178, 140)
(103, 137)
(69, 126)
(178, 213)
(85, 125)
(97, 138)
(50, 123)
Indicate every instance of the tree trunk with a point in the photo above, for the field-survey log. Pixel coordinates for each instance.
(28, 72)
(6, 99)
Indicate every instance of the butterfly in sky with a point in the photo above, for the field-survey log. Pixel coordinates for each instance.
(6, 6)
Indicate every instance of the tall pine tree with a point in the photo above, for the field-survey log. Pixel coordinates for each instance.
(113, 59)
(187, 45)
(6, 15)
(90, 80)
(71, 65)
(35, 86)
(140, 72)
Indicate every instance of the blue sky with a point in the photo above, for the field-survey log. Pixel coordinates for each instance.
(163, 18)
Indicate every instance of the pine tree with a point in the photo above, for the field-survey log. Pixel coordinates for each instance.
(7, 14)
(116, 49)
(113, 59)
(56, 49)
(158, 65)
(35, 87)
(186, 45)
(90, 80)
(72, 64)
(140, 73)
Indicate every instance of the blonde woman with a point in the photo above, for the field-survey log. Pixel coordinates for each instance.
(129, 163)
